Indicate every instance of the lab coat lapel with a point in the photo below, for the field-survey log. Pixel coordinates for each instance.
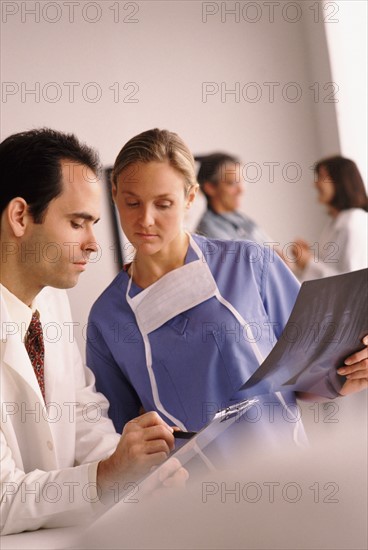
(34, 439)
(14, 352)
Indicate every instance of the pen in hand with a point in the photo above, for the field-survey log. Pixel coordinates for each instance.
(179, 434)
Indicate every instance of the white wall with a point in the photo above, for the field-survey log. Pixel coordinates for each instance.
(171, 50)
(347, 40)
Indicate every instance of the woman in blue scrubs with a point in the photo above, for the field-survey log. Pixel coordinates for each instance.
(189, 320)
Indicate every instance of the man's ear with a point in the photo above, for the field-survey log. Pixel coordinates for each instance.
(114, 191)
(18, 216)
(209, 188)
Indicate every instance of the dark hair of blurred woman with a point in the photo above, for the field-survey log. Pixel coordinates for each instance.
(347, 181)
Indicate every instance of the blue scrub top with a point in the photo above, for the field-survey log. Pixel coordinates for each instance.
(201, 357)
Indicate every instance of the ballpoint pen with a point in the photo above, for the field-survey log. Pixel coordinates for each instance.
(179, 434)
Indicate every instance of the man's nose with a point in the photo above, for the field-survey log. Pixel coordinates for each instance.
(90, 244)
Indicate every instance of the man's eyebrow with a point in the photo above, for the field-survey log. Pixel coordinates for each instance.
(84, 216)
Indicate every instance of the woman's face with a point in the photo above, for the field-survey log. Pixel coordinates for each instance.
(151, 201)
(325, 186)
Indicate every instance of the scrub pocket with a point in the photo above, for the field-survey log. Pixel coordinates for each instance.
(235, 350)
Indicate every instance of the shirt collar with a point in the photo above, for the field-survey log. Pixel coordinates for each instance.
(18, 311)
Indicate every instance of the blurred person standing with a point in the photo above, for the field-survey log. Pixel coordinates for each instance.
(343, 244)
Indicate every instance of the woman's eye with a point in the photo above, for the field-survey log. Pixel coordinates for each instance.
(132, 204)
(163, 205)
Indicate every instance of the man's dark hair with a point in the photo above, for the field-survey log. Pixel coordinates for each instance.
(209, 170)
(210, 164)
(30, 167)
(348, 183)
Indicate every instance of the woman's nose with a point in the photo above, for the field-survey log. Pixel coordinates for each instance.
(146, 218)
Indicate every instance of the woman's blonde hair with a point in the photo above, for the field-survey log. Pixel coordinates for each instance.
(157, 146)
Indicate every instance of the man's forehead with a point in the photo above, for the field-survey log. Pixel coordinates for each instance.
(80, 192)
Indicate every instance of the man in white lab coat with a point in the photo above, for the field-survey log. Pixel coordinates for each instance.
(60, 460)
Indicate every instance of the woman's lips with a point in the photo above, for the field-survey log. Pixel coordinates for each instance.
(146, 235)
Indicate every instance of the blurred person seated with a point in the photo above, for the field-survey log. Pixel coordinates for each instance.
(343, 244)
(220, 180)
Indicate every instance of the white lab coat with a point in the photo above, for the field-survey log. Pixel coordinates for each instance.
(49, 457)
(342, 247)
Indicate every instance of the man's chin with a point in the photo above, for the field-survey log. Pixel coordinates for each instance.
(71, 282)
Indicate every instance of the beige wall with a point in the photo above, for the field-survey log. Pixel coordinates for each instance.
(168, 55)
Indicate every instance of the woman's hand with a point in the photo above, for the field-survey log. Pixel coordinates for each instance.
(356, 371)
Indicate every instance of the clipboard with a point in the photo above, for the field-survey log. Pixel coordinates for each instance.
(190, 450)
(194, 447)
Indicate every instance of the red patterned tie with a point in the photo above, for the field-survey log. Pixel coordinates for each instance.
(36, 350)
